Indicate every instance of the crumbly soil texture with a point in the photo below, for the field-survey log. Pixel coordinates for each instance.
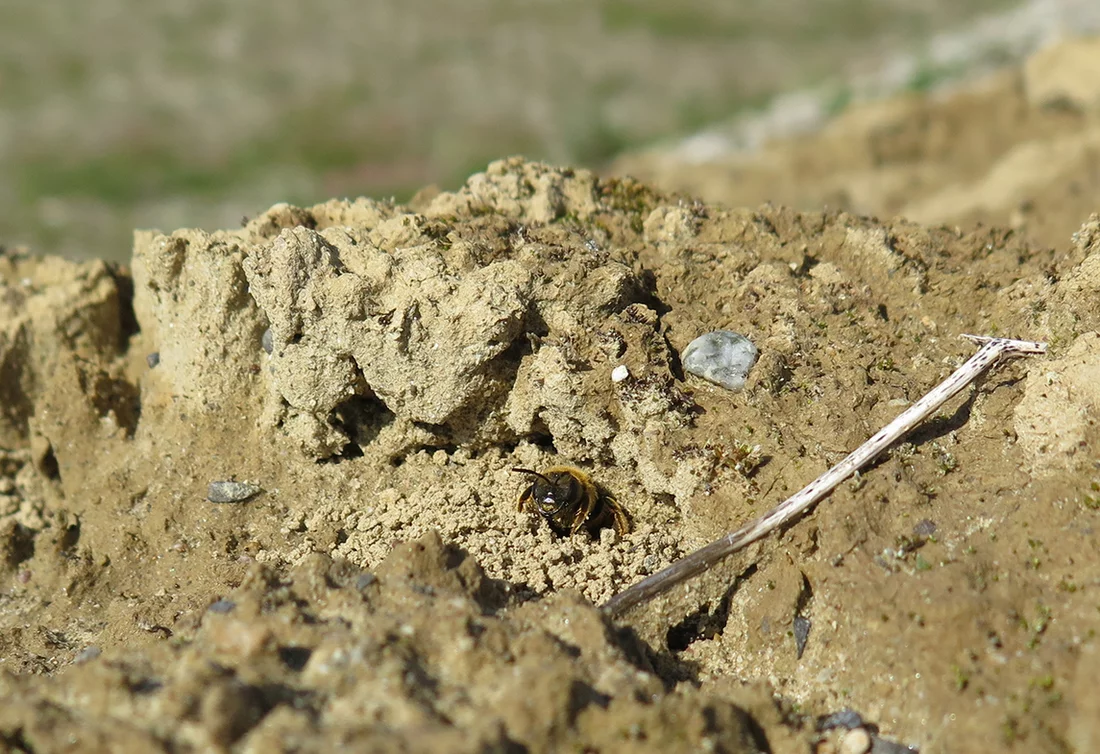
(370, 374)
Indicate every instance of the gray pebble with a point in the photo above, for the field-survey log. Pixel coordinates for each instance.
(152, 359)
(847, 718)
(267, 341)
(232, 492)
(723, 357)
(801, 634)
(222, 606)
(87, 654)
(925, 528)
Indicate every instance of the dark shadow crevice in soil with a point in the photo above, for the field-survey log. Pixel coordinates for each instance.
(48, 465)
(666, 662)
(581, 695)
(661, 663)
(16, 741)
(127, 320)
(801, 622)
(361, 418)
(295, 658)
(705, 623)
(940, 426)
(109, 394)
(16, 544)
(756, 733)
(69, 537)
(647, 292)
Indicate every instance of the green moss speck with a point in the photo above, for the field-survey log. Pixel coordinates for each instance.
(962, 678)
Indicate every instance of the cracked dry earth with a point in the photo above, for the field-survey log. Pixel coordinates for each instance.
(378, 370)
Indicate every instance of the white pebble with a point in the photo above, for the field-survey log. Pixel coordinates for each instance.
(722, 356)
(619, 373)
(856, 741)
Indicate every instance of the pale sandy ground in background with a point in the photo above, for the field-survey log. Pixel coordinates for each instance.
(123, 114)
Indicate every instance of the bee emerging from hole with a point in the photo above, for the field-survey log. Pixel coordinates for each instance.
(569, 500)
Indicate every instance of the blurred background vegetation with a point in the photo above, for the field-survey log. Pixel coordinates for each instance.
(117, 114)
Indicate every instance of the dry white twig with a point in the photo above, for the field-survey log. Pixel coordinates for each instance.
(993, 351)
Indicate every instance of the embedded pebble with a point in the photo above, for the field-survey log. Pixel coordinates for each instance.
(847, 718)
(722, 357)
(619, 373)
(856, 741)
(267, 341)
(925, 528)
(232, 492)
(87, 654)
(801, 634)
(152, 359)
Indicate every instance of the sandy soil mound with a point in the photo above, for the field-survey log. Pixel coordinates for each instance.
(373, 372)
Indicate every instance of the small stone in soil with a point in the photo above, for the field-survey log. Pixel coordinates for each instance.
(801, 634)
(232, 492)
(847, 718)
(722, 357)
(855, 741)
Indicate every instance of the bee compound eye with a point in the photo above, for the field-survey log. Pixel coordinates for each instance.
(575, 488)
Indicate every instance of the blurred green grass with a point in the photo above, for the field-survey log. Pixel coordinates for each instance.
(122, 114)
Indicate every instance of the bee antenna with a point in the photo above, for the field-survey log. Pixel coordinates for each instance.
(532, 473)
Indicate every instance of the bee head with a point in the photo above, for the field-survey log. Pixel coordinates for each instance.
(549, 496)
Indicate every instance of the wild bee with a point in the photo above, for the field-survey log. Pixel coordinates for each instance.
(569, 500)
